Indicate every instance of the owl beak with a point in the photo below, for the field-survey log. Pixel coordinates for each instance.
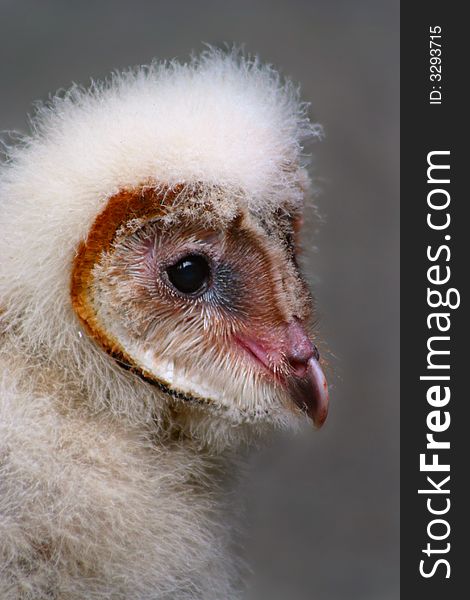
(306, 382)
(310, 392)
(308, 386)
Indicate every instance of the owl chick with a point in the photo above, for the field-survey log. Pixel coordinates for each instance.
(152, 320)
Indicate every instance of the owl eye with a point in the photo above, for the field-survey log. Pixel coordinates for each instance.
(190, 275)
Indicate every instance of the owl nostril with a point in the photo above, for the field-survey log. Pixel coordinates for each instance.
(299, 368)
(316, 354)
(299, 347)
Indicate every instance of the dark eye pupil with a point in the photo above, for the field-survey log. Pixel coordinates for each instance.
(191, 274)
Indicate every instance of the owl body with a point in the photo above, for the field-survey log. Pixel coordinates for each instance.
(95, 508)
(153, 322)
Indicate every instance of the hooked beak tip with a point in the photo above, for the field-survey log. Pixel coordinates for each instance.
(310, 393)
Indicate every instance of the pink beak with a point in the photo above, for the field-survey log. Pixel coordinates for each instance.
(307, 383)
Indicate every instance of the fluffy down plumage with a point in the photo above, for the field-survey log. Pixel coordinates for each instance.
(108, 489)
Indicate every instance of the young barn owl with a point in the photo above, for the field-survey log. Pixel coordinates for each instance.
(153, 320)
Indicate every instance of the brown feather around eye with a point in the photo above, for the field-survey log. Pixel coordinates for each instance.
(154, 319)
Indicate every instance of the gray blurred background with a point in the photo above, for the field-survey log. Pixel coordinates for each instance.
(323, 508)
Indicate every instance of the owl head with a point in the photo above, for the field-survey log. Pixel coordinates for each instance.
(150, 240)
